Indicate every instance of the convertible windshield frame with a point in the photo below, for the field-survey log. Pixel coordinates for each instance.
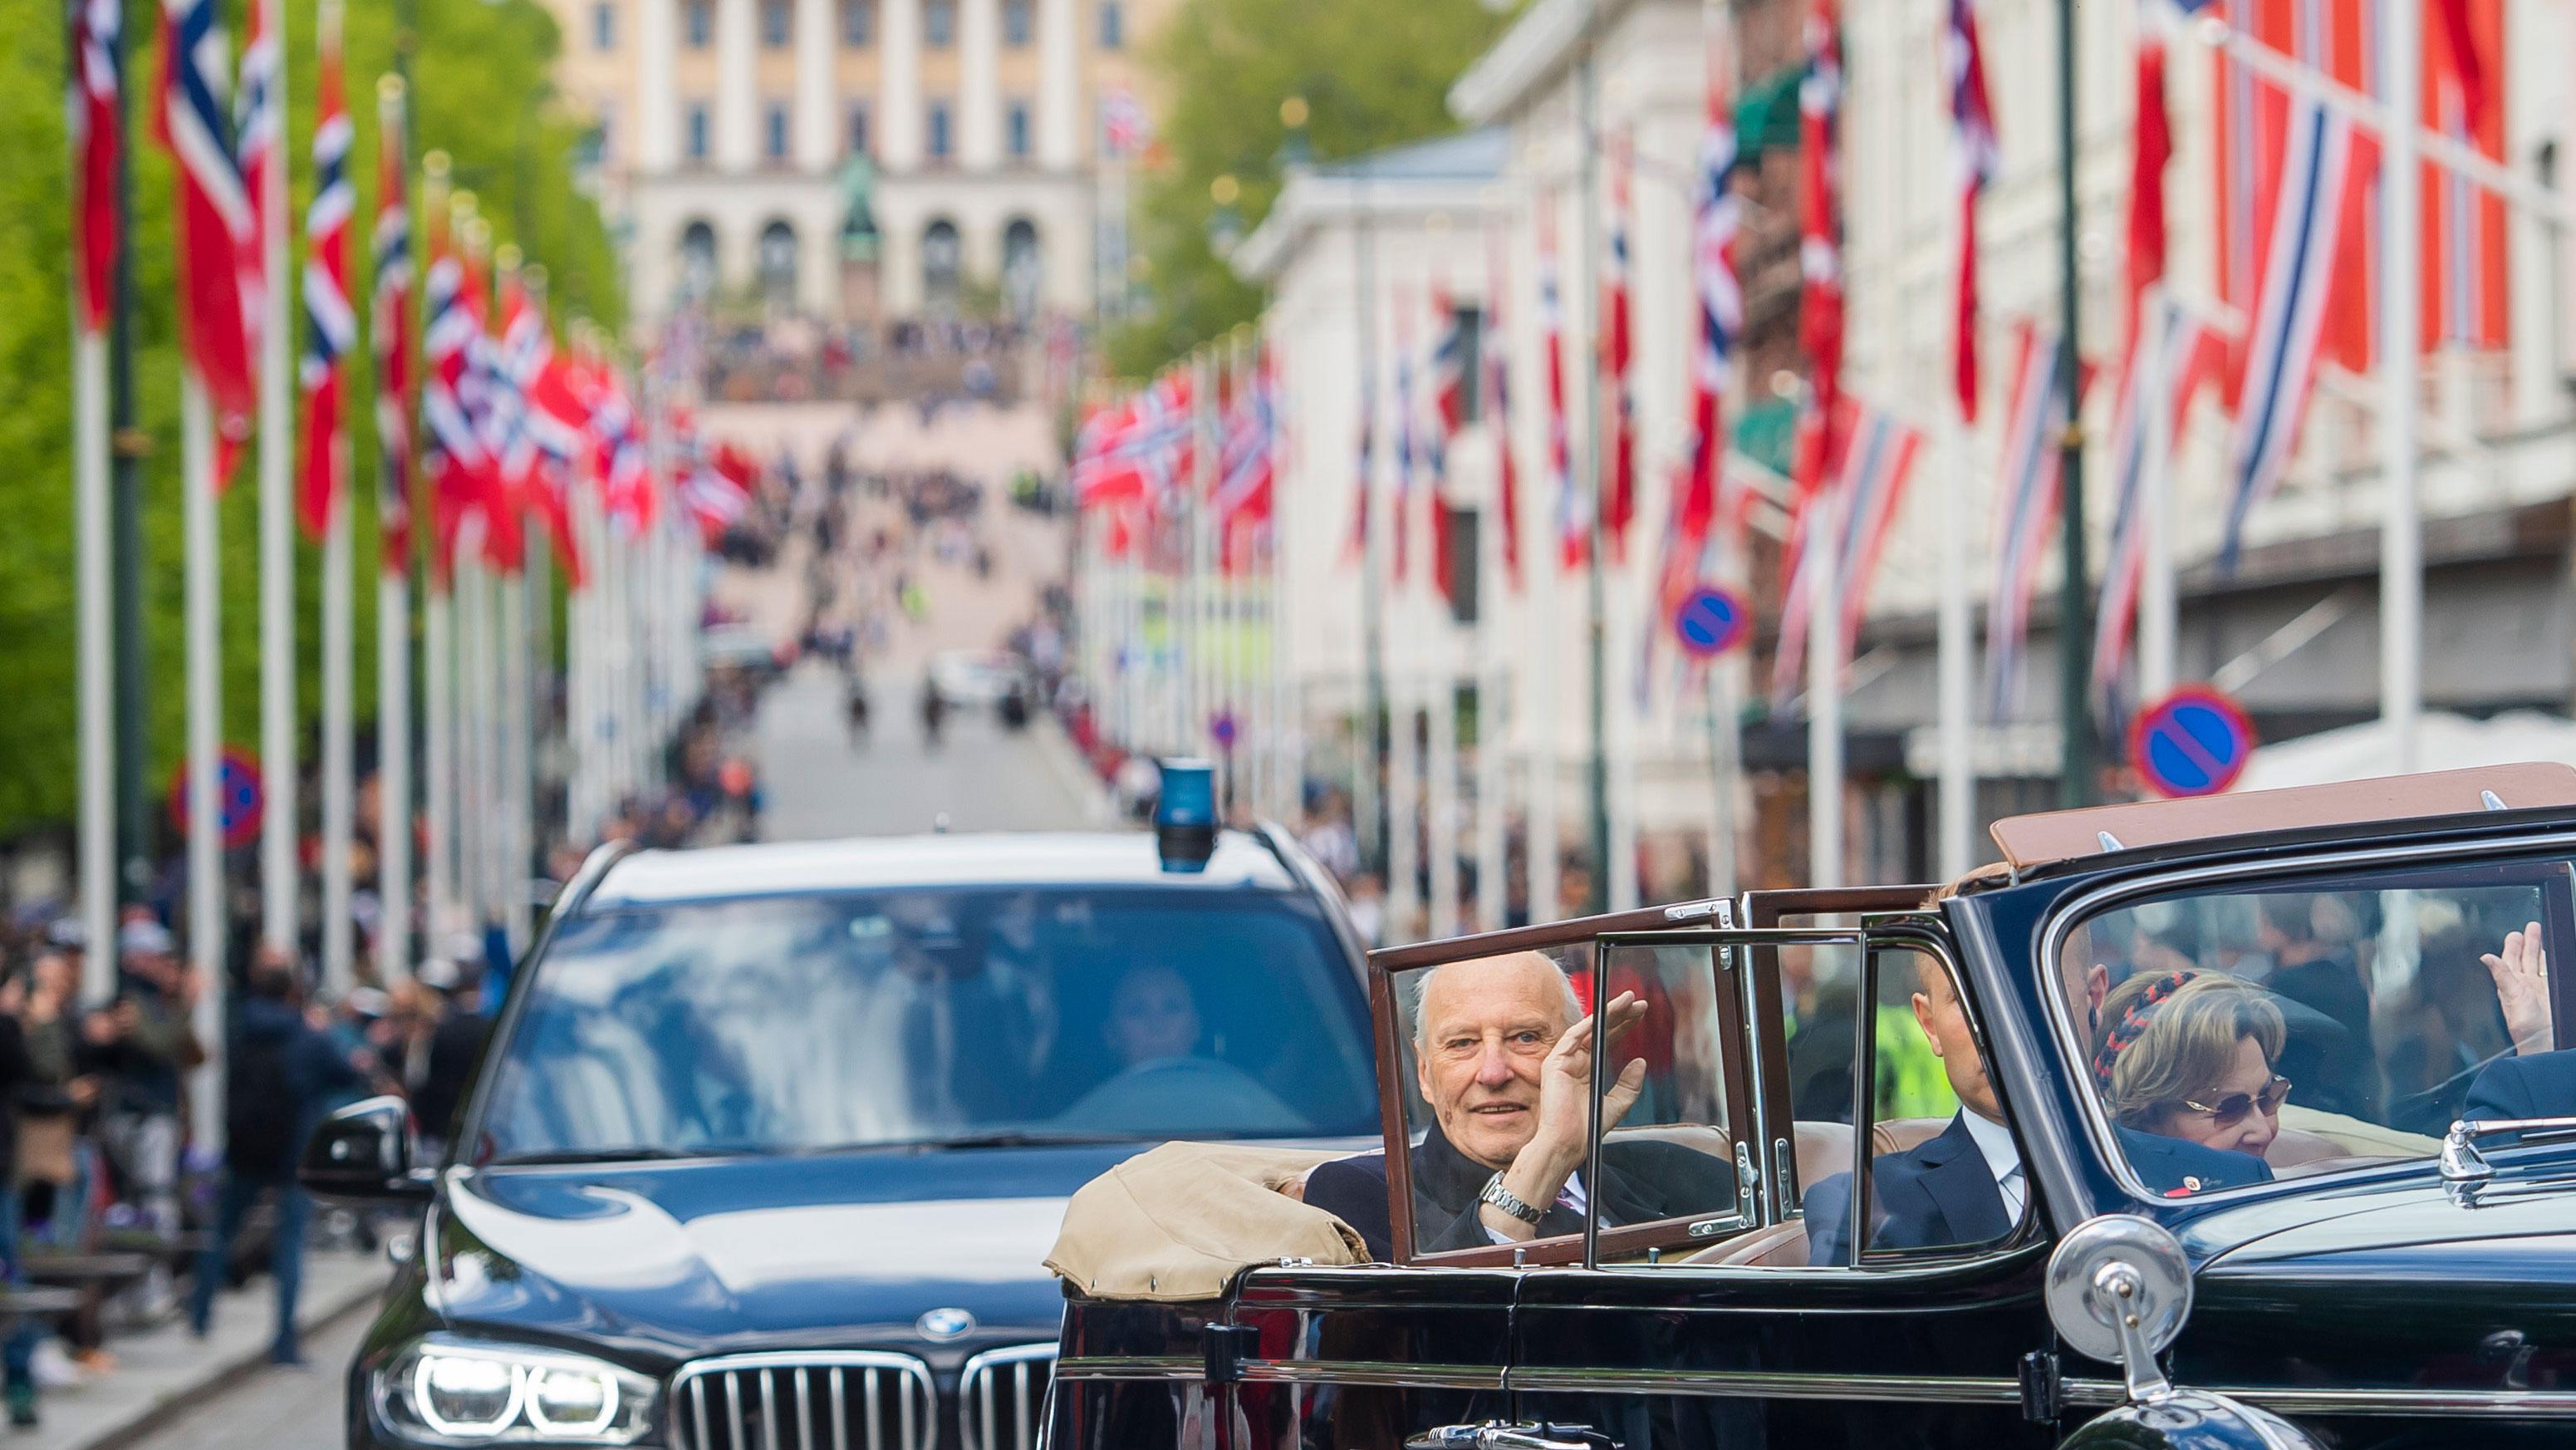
(1335, 990)
(2551, 851)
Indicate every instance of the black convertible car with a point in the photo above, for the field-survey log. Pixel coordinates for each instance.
(2241, 1121)
(770, 1140)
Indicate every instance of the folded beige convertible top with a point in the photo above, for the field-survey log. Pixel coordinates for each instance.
(1179, 1222)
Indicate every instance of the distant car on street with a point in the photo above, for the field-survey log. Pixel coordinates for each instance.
(771, 1139)
(979, 679)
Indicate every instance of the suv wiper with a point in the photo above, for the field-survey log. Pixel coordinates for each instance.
(630, 1154)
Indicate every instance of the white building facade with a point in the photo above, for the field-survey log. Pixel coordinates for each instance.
(727, 129)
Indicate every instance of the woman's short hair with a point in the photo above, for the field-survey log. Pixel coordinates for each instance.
(2166, 1036)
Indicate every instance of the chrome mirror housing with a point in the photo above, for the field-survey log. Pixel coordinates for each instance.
(2119, 1290)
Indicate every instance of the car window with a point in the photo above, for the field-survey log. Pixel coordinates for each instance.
(930, 1016)
(2236, 1034)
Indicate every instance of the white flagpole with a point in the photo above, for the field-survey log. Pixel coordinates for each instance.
(206, 925)
(339, 769)
(1824, 694)
(2157, 606)
(1492, 669)
(510, 865)
(393, 702)
(1619, 620)
(473, 738)
(438, 764)
(97, 662)
(1440, 815)
(1542, 846)
(1958, 781)
(277, 724)
(2401, 538)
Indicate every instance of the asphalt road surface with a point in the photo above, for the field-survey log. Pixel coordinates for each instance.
(271, 1408)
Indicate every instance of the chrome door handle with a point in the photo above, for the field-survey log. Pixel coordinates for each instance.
(1501, 1435)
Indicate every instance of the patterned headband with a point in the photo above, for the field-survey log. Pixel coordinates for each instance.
(2133, 1023)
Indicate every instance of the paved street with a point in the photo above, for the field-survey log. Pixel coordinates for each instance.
(267, 1408)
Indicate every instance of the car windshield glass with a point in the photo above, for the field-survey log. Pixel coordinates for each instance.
(2236, 1035)
(934, 1017)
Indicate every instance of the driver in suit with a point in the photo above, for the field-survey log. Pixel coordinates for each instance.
(1503, 1055)
(1965, 1186)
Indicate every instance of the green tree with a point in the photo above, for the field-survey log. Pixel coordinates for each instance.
(483, 91)
(1372, 75)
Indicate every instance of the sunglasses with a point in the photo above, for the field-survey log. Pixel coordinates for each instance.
(2234, 1108)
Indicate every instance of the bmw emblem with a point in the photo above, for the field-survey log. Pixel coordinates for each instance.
(945, 1324)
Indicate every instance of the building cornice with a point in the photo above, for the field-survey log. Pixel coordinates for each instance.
(1312, 202)
(1530, 54)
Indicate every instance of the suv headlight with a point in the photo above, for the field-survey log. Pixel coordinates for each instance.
(447, 1390)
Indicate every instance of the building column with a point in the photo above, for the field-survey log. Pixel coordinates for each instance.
(818, 130)
(657, 123)
(1059, 118)
(899, 119)
(737, 114)
(979, 88)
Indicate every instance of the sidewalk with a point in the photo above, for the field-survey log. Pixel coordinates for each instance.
(163, 1372)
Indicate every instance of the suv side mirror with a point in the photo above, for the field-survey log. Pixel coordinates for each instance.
(363, 1151)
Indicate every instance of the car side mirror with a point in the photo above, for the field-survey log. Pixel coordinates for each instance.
(364, 1151)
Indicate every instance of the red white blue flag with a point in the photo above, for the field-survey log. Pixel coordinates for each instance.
(1573, 518)
(1498, 411)
(330, 323)
(213, 215)
(459, 468)
(1406, 445)
(2179, 354)
(258, 150)
(1618, 348)
(1820, 252)
(1850, 519)
(1979, 159)
(391, 333)
(97, 114)
(1248, 464)
(2290, 312)
(2025, 509)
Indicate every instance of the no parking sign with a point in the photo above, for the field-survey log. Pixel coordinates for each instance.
(2195, 741)
(239, 798)
(1709, 622)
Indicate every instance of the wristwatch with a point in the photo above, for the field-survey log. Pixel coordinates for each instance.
(1503, 1198)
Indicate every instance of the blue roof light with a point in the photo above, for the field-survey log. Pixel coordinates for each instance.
(1185, 814)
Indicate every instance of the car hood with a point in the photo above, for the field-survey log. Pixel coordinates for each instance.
(848, 1250)
(2390, 1283)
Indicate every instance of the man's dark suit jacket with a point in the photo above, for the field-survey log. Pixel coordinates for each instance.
(1641, 1181)
(1941, 1194)
(2542, 1085)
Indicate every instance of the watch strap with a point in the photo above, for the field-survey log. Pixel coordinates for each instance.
(1503, 1198)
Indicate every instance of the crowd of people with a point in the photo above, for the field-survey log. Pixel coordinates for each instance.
(798, 359)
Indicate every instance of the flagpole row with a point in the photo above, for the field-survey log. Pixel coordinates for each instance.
(263, 160)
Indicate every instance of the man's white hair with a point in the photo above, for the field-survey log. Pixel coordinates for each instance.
(1422, 990)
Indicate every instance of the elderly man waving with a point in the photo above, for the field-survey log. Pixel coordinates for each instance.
(1503, 1055)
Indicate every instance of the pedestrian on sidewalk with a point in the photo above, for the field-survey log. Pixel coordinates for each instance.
(18, 1350)
(143, 1045)
(283, 1069)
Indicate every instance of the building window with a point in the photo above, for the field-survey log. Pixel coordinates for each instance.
(1017, 128)
(939, 130)
(1015, 23)
(603, 27)
(773, 131)
(697, 130)
(774, 24)
(701, 23)
(1113, 26)
(859, 129)
(603, 136)
(858, 23)
(939, 22)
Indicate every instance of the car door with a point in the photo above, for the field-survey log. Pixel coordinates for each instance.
(1735, 1339)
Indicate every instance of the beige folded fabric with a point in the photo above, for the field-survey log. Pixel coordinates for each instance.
(1178, 1223)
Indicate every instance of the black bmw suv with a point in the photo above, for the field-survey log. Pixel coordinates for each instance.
(770, 1140)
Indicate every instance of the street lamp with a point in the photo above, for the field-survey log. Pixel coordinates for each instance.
(1294, 148)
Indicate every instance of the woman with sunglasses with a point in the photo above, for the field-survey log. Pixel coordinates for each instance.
(2189, 1055)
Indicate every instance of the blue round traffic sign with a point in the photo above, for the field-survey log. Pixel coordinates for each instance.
(2194, 741)
(1710, 621)
(239, 798)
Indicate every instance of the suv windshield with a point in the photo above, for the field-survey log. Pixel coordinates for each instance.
(932, 1017)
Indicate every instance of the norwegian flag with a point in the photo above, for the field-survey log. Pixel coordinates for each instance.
(2025, 509)
(1850, 518)
(1248, 464)
(391, 334)
(716, 488)
(2183, 355)
(1619, 491)
(1716, 214)
(2290, 313)
(214, 217)
(97, 113)
(1363, 477)
(1979, 159)
(1140, 450)
(1406, 448)
(258, 141)
(1573, 519)
(1498, 410)
(625, 478)
(1820, 250)
(330, 323)
(499, 411)
(459, 468)
(552, 421)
